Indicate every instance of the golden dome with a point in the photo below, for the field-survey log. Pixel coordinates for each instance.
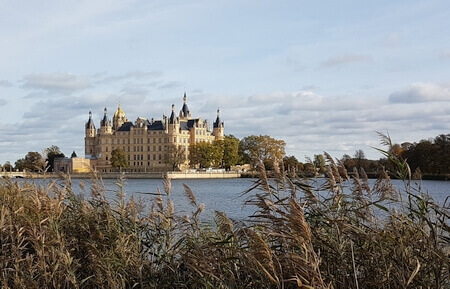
(119, 113)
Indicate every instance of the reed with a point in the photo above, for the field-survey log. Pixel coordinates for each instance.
(344, 234)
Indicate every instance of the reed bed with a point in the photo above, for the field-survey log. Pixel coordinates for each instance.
(345, 234)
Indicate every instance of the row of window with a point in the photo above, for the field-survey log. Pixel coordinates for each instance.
(139, 131)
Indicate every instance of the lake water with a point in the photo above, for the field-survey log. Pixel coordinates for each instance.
(223, 194)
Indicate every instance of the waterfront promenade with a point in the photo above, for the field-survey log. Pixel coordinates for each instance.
(128, 175)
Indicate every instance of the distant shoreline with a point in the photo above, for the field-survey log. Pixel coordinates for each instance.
(175, 175)
(127, 175)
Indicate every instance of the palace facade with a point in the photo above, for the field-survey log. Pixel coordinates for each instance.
(145, 142)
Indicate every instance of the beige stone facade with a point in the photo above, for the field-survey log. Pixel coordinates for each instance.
(146, 143)
(72, 165)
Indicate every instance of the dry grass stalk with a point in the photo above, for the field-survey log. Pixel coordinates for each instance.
(52, 238)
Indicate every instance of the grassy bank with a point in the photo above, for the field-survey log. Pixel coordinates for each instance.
(297, 238)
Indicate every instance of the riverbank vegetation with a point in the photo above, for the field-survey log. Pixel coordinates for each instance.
(344, 234)
(428, 159)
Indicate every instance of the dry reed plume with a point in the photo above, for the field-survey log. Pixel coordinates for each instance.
(344, 234)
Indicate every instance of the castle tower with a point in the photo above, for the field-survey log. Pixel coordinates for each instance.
(173, 119)
(173, 126)
(90, 127)
(105, 123)
(218, 127)
(89, 139)
(119, 118)
(184, 112)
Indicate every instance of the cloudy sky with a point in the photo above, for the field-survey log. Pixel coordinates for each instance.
(322, 75)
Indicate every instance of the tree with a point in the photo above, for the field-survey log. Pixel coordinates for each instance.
(73, 155)
(230, 151)
(442, 152)
(319, 163)
(254, 149)
(205, 155)
(432, 157)
(290, 164)
(360, 156)
(51, 154)
(175, 156)
(19, 164)
(34, 162)
(348, 162)
(309, 169)
(7, 167)
(118, 158)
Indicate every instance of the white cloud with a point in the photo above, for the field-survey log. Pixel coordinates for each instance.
(170, 85)
(56, 82)
(421, 92)
(149, 77)
(346, 59)
(310, 123)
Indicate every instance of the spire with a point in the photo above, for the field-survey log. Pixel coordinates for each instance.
(185, 110)
(105, 121)
(172, 116)
(90, 123)
(218, 122)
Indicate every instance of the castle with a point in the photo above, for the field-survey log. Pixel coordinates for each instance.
(147, 143)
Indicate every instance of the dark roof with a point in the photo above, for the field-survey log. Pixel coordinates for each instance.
(104, 121)
(172, 116)
(156, 125)
(90, 123)
(192, 122)
(184, 125)
(185, 110)
(217, 122)
(126, 126)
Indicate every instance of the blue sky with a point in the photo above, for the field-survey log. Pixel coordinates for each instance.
(322, 75)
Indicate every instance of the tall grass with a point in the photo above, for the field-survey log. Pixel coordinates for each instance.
(346, 234)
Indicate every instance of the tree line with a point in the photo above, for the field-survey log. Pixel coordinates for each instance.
(427, 157)
(37, 162)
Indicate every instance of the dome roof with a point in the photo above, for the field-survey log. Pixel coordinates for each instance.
(119, 113)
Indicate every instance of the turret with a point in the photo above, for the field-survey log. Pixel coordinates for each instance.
(105, 123)
(172, 118)
(89, 140)
(184, 112)
(218, 127)
(90, 127)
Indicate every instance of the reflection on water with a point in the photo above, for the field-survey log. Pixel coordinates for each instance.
(222, 194)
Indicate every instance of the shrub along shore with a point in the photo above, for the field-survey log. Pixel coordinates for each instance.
(297, 237)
